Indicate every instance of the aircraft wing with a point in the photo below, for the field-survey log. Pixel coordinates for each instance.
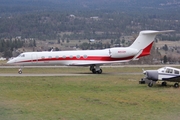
(173, 79)
(88, 63)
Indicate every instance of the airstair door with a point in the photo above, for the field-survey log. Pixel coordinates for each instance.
(34, 58)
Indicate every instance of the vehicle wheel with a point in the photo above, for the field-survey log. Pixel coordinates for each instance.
(150, 84)
(164, 84)
(176, 85)
(20, 72)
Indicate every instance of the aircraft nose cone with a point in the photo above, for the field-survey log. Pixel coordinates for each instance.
(10, 61)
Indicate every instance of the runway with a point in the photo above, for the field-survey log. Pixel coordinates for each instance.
(65, 74)
(12, 74)
(103, 66)
(33, 75)
(62, 74)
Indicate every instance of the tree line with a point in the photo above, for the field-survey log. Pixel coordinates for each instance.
(48, 26)
(7, 46)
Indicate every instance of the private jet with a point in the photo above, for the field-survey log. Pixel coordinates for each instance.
(94, 58)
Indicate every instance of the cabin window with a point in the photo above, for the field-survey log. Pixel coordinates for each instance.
(169, 70)
(70, 56)
(50, 57)
(78, 56)
(84, 56)
(176, 72)
(63, 56)
(57, 57)
(43, 57)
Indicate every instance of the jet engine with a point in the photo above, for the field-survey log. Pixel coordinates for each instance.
(122, 52)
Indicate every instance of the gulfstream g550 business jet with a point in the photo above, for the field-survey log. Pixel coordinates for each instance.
(93, 58)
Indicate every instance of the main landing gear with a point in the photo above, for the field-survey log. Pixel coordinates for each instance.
(95, 69)
(164, 84)
(176, 85)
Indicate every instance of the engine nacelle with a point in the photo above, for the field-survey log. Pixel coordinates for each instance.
(122, 52)
(152, 75)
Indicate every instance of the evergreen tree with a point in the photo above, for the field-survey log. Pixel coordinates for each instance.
(165, 59)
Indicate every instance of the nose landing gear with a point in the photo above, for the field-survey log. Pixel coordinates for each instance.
(20, 71)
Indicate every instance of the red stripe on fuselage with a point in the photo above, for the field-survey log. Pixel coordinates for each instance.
(89, 58)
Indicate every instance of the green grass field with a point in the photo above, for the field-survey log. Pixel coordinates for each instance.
(55, 69)
(93, 97)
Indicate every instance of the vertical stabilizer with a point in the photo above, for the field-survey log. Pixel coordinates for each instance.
(144, 42)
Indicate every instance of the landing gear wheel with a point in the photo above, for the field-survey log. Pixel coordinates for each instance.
(20, 71)
(99, 71)
(94, 71)
(150, 84)
(176, 85)
(164, 84)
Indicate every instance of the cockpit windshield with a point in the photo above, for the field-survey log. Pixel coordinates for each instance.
(21, 55)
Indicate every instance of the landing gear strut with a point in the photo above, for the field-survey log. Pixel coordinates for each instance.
(150, 84)
(95, 69)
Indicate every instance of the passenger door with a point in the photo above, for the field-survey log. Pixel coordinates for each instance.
(34, 58)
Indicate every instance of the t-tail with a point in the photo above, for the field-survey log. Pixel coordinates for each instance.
(144, 42)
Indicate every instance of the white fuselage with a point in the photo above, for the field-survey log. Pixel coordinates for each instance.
(81, 57)
(168, 72)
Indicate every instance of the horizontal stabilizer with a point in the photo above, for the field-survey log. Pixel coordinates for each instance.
(155, 32)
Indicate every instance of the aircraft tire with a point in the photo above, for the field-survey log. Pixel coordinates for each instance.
(99, 71)
(20, 72)
(150, 84)
(164, 84)
(94, 71)
(176, 85)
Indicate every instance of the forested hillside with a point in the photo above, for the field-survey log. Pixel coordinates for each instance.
(71, 5)
(82, 25)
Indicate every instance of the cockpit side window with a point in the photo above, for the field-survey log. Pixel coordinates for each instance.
(169, 70)
(21, 55)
